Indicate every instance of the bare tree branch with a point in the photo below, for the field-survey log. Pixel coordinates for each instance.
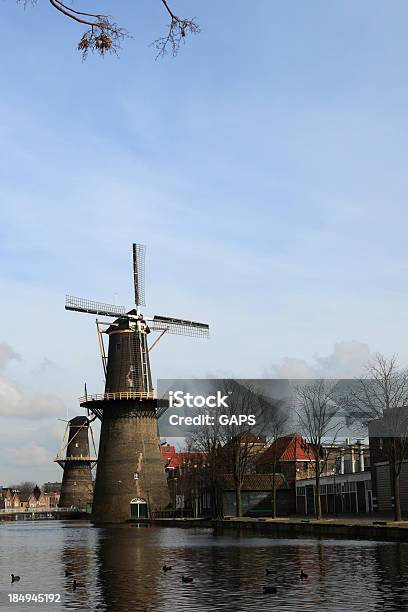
(232, 447)
(318, 416)
(178, 30)
(104, 36)
(380, 401)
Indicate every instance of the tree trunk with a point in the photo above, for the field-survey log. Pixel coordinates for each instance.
(318, 505)
(274, 492)
(238, 500)
(397, 497)
(217, 511)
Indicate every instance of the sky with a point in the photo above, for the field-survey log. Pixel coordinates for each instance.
(264, 169)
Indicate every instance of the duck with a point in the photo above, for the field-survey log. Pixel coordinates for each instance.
(166, 568)
(68, 574)
(186, 579)
(269, 572)
(270, 590)
(14, 578)
(303, 575)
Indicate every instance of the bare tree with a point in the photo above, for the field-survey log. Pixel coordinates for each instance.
(207, 440)
(277, 422)
(234, 439)
(26, 487)
(318, 416)
(190, 479)
(242, 433)
(380, 401)
(103, 35)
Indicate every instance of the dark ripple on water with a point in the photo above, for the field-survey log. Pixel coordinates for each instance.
(120, 569)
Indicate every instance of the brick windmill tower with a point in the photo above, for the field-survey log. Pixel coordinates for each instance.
(130, 478)
(75, 459)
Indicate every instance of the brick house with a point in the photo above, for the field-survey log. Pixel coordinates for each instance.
(51, 499)
(11, 498)
(187, 481)
(36, 499)
(23, 499)
(169, 455)
(292, 457)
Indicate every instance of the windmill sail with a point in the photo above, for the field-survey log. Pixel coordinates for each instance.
(91, 307)
(179, 326)
(139, 273)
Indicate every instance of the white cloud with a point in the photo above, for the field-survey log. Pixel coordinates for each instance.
(7, 354)
(347, 360)
(17, 402)
(290, 367)
(45, 365)
(9, 397)
(29, 455)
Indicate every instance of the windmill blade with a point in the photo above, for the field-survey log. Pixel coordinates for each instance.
(179, 326)
(139, 273)
(91, 307)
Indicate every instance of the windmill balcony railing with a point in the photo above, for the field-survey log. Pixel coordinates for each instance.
(117, 395)
(75, 458)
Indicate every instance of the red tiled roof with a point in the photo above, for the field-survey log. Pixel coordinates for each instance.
(175, 460)
(168, 451)
(287, 448)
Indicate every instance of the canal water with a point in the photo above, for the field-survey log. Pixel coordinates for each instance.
(120, 569)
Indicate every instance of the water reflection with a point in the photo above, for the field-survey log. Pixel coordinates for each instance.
(79, 562)
(129, 567)
(120, 569)
(391, 573)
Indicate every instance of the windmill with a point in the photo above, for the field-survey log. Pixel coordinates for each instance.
(77, 462)
(130, 467)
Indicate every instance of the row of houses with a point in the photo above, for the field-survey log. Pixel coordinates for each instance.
(12, 499)
(287, 466)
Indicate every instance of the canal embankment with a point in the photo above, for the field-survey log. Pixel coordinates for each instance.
(372, 529)
(26, 514)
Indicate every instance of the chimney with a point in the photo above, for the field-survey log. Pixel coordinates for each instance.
(342, 461)
(361, 455)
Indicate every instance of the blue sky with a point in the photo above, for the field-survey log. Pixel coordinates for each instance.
(264, 168)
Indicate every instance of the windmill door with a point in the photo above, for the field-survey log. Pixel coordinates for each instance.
(138, 508)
